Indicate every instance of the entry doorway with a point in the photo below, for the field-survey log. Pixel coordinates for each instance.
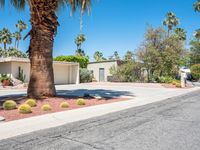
(101, 74)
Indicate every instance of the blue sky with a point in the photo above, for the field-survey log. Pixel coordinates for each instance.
(112, 24)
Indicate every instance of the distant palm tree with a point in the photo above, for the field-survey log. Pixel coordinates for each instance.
(129, 56)
(5, 37)
(21, 25)
(80, 52)
(180, 34)
(98, 56)
(116, 55)
(197, 34)
(44, 26)
(18, 37)
(80, 39)
(196, 6)
(170, 21)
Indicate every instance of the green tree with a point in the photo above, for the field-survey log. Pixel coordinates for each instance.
(170, 21)
(44, 24)
(180, 34)
(98, 56)
(80, 39)
(196, 6)
(5, 37)
(195, 51)
(21, 25)
(18, 37)
(129, 56)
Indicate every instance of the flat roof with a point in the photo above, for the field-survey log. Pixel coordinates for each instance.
(27, 60)
(104, 61)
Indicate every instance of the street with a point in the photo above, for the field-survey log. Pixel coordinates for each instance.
(171, 124)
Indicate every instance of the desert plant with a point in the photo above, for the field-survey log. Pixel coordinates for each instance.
(178, 85)
(64, 105)
(80, 101)
(31, 102)
(46, 107)
(195, 69)
(9, 105)
(21, 75)
(24, 109)
(85, 75)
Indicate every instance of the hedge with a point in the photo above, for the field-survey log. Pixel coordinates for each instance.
(195, 70)
(83, 61)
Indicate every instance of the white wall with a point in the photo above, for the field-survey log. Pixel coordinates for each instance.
(63, 73)
(5, 68)
(96, 66)
(25, 66)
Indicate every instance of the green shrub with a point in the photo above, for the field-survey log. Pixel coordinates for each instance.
(9, 105)
(64, 105)
(195, 70)
(46, 107)
(85, 75)
(80, 101)
(178, 85)
(31, 102)
(5, 77)
(24, 109)
(165, 79)
(83, 61)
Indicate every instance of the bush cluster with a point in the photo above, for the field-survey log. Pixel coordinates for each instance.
(85, 75)
(195, 70)
(83, 61)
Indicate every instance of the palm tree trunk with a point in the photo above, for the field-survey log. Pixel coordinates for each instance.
(17, 44)
(5, 46)
(44, 25)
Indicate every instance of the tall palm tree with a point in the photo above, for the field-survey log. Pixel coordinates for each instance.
(197, 34)
(18, 37)
(170, 21)
(5, 37)
(85, 5)
(196, 6)
(180, 34)
(98, 56)
(80, 39)
(44, 26)
(21, 25)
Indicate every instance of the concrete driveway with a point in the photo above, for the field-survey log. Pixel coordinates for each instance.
(132, 90)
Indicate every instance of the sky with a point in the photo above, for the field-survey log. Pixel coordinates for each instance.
(112, 25)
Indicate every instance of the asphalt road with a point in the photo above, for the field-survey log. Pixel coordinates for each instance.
(173, 124)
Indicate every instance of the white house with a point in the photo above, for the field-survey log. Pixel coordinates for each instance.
(101, 70)
(64, 72)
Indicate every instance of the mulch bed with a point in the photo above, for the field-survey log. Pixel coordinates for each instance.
(10, 115)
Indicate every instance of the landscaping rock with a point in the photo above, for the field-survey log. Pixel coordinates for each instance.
(2, 119)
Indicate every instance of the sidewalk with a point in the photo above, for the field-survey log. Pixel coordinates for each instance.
(23, 126)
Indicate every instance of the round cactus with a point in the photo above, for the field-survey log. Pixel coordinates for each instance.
(46, 107)
(80, 101)
(24, 109)
(9, 105)
(64, 105)
(31, 102)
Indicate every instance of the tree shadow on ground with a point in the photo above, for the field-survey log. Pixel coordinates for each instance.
(105, 94)
(99, 92)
